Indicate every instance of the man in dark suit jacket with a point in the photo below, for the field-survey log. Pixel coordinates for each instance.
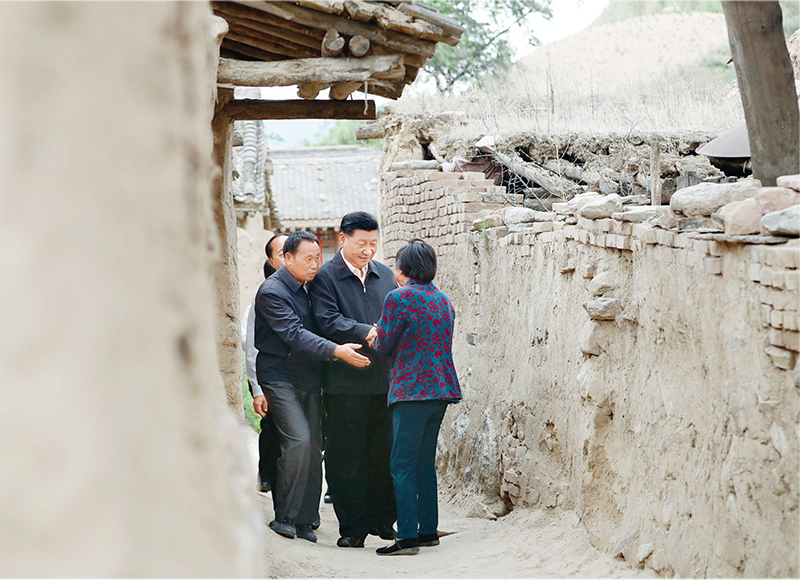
(347, 296)
(288, 368)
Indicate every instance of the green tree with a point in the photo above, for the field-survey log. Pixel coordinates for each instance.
(484, 48)
(342, 132)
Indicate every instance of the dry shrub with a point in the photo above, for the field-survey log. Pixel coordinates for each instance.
(693, 100)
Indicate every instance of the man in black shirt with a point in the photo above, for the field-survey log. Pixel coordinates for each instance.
(347, 296)
(288, 366)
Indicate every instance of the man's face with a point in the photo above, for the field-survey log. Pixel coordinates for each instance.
(277, 252)
(359, 247)
(304, 263)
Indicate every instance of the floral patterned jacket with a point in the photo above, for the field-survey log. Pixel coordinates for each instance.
(416, 328)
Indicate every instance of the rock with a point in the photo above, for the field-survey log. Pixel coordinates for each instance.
(602, 283)
(603, 308)
(581, 199)
(668, 220)
(781, 357)
(544, 216)
(517, 215)
(785, 222)
(562, 208)
(696, 223)
(644, 551)
(741, 217)
(668, 187)
(704, 199)
(492, 220)
(601, 207)
(779, 441)
(639, 214)
(776, 198)
(636, 200)
(486, 144)
(790, 181)
(588, 338)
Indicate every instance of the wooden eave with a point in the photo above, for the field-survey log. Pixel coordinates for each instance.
(275, 34)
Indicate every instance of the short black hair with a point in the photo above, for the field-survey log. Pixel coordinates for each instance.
(358, 220)
(294, 239)
(268, 249)
(417, 260)
(268, 269)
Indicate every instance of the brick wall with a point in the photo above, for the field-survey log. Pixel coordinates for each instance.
(438, 207)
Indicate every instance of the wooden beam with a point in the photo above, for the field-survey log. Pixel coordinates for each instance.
(766, 86)
(255, 110)
(229, 8)
(312, 70)
(269, 44)
(322, 21)
(248, 50)
(451, 29)
(296, 39)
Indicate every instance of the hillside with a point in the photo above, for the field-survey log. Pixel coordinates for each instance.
(637, 49)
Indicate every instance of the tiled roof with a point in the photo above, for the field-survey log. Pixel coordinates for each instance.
(315, 183)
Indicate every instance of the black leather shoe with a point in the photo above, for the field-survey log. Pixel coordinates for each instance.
(285, 528)
(327, 498)
(407, 547)
(304, 531)
(315, 524)
(429, 539)
(385, 532)
(348, 542)
(265, 487)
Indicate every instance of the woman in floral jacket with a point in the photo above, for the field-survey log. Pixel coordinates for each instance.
(416, 328)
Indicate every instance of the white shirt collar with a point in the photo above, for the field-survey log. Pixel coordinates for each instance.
(356, 271)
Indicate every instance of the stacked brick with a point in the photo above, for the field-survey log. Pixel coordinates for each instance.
(435, 206)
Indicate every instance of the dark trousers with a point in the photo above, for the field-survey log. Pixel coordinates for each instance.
(357, 462)
(416, 429)
(296, 414)
(269, 449)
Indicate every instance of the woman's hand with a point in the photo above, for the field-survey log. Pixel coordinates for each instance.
(372, 335)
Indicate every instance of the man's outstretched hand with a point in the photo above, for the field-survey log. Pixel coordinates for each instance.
(347, 353)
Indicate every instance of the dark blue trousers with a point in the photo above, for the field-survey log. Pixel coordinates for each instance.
(413, 464)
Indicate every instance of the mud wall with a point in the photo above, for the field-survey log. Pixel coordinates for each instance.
(119, 454)
(671, 428)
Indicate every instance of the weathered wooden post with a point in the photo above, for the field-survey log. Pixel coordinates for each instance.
(655, 172)
(766, 85)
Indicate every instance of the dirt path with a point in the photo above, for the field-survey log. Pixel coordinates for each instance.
(526, 543)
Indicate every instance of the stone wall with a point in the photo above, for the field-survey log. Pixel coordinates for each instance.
(119, 455)
(633, 374)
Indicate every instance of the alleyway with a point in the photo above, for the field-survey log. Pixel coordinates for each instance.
(524, 544)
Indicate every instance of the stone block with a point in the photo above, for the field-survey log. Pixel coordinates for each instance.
(601, 207)
(754, 272)
(588, 338)
(713, 266)
(776, 318)
(517, 215)
(791, 280)
(791, 340)
(603, 308)
(602, 283)
(783, 256)
(785, 222)
(790, 181)
(665, 238)
(742, 217)
(776, 198)
(791, 320)
(547, 237)
(639, 214)
(667, 220)
(704, 199)
(540, 227)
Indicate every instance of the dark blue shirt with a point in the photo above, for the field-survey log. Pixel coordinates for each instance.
(289, 348)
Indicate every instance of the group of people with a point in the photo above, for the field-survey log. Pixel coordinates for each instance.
(355, 359)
